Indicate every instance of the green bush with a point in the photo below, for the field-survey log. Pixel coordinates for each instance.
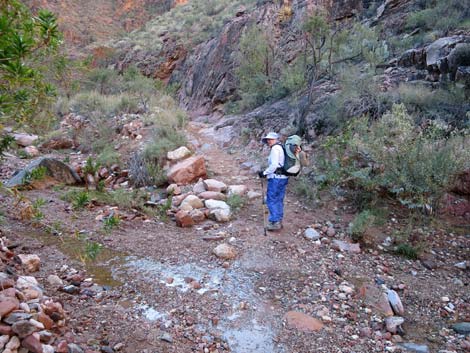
(407, 250)
(438, 15)
(416, 165)
(236, 202)
(360, 224)
(108, 157)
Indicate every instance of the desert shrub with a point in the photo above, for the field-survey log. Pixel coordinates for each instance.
(438, 15)
(407, 250)
(236, 202)
(306, 187)
(414, 164)
(360, 224)
(449, 105)
(108, 157)
(146, 167)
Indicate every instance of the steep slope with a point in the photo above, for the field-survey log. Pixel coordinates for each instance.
(86, 22)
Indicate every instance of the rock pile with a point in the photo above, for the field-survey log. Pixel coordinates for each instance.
(30, 321)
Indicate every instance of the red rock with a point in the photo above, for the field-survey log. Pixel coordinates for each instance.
(62, 347)
(183, 219)
(303, 322)
(376, 299)
(7, 305)
(6, 282)
(10, 292)
(58, 143)
(45, 320)
(187, 171)
(6, 330)
(32, 343)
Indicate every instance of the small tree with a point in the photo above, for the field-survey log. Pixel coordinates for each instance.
(27, 44)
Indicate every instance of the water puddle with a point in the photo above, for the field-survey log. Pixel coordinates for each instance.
(244, 330)
(98, 263)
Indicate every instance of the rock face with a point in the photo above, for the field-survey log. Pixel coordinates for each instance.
(187, 171)
(54, 168)
(208, 74)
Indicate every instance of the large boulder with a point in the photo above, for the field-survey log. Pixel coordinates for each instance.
(212, 195)
(192, 201)
(187, 171)
(55, 169)
(461, 185)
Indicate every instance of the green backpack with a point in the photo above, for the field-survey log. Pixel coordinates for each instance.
(292, 165)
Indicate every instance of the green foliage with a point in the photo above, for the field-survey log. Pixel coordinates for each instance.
(407, 250)
(80, 199)
(414, 164)
(111, 222)
(108, 157)
(27, 43)
(306, 187)
(236, 202)
(360, 224)
(5, 142)
(36, 174)
(92, 250)
(146, 168)
(441, 16)
(91, 166)
(36, 209)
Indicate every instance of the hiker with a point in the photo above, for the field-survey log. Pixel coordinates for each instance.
(277, 181)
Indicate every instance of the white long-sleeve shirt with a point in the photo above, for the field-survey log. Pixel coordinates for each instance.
(275, 160)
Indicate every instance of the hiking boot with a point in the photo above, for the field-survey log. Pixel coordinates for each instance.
(274, 226)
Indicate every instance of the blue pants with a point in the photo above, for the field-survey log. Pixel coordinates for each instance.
(275, 198)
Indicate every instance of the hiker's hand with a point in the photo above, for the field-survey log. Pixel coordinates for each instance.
(261, 174)
(297, 150)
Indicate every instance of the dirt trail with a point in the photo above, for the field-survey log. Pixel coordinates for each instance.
(176, 296)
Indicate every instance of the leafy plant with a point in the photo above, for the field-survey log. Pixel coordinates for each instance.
(37, 174)
(360, 224)
(407, 250)
(236, 202)
(36, 207)
(92, 250)
(80, 199)
(111, 222)
(26, 44)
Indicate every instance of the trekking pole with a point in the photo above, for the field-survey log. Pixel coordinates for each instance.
(264, 207)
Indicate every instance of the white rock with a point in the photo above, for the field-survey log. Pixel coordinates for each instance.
(220, 214)
(395, 302)
(173, 189)
(31, 151)
(392, 323)
(225, 251)
(237, 190)
(346, 289)
(13, 344)
(462, 265)
(30, 262)
(311, 234)
(214, 185)
(253, 195)
(445, 299)
(26, 282)
(213, 204)
(180, 153)
(24, 140)
(3, 341)
(54, 280)
(193, 201)
(47, 348)
(199, 187)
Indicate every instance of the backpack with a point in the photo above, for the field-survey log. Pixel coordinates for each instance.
(292, 165)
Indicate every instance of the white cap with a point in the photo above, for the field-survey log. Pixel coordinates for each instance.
(270, 136)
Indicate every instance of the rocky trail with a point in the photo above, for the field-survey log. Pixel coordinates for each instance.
(156, 287)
